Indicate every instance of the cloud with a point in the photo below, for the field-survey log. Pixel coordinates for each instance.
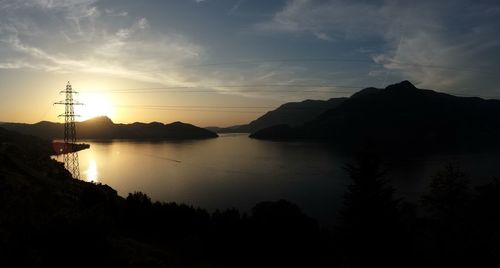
(112, 12)
(437, 44)
(326, 19)
(14, 65)
(235, 7)
(84, 42)
(45, 4)
(323, 36)
(444, 52)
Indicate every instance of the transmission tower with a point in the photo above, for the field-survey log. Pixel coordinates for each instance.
(70, 156)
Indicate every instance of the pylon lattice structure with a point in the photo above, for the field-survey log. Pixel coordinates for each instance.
(70, 156)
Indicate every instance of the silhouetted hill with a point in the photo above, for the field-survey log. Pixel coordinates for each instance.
(402, 117)
(292, 114)
(49, 219)
(104, 128)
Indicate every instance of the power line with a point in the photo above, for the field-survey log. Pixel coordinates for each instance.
(217, 109)
(214, 107)
(445, 68)
(245, 91)
(238, 86)
(223, 109)
(241, 86)
(248, 88)
(323, 89)
(281, 88)
(198, 106)
(244, 62)
(198, 110)
(323, 60)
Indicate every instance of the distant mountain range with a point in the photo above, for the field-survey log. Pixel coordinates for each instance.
(104, 128)
(401, 117)
(292, 113)
(398, 117)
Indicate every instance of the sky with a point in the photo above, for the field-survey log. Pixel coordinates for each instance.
(226, 62)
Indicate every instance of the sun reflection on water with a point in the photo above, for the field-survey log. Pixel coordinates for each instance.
(92, 171)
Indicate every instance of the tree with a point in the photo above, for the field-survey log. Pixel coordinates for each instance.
(448, 227)
(449, 194)
(370, 229)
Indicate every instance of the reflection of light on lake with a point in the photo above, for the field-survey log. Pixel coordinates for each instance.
(92, 171)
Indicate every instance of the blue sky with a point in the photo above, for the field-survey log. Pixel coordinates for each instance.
(237, 53)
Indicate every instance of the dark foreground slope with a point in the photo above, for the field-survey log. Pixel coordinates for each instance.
(292, 113)
(48, 219)
(104, 128)
(402, 117)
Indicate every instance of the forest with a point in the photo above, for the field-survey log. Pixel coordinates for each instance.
(48, 219)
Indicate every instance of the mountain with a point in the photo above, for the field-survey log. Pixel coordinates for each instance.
(402, 117)
(104, 128)
(292, 113)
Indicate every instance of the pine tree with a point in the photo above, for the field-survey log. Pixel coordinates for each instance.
(370, 227)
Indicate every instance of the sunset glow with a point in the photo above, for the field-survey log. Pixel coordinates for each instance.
(94, 104)
(91, 172)
(278, 51)
(239, 133)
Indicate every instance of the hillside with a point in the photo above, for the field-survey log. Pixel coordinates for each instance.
(104, 128)
(292, 114)
(49, 219)
(402, 117)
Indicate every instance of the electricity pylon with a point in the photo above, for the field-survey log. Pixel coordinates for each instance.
(70, 156)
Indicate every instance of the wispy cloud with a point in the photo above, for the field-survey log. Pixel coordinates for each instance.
(438, 44)
(133, 49)
(327, 20)
(89, 45)
(112, 12)
(403, 40)
(235, 6)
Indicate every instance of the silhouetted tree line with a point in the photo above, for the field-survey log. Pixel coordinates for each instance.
(456, 226)
(48, 219)
(453, 225)
(274, 234)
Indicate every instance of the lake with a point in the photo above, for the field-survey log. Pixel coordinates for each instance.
(236, 171)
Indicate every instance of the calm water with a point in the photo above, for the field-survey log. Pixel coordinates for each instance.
(236, 171)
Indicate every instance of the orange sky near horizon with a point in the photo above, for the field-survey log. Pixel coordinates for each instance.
(103, 96)
(221, 64)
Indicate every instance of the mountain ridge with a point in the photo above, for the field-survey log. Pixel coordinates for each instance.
(104, 128)
(290, 113)
(401, 117)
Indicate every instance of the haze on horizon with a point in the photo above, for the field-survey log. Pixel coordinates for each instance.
(226, 62)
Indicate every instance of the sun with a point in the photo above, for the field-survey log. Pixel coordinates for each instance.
(94, 104)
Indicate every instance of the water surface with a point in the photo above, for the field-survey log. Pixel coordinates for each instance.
(236, 171)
